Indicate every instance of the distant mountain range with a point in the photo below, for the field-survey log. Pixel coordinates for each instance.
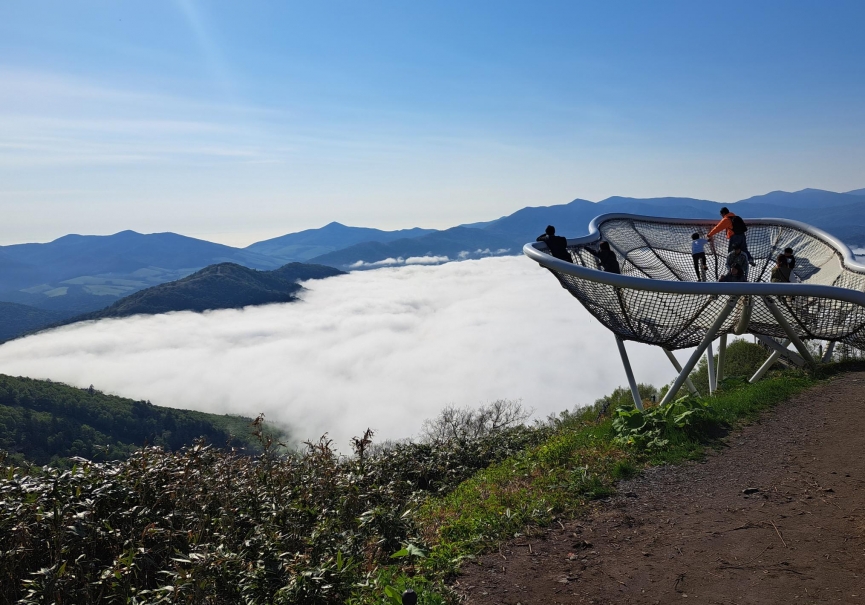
(79, 274)
(314, 243)
(842, 214)
(222, 286)
(451, 244)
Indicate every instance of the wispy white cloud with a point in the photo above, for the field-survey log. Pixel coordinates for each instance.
(387, 262)
(426, 260)
(46, 119)
(393, 262)
(381, 349)
(464, 254)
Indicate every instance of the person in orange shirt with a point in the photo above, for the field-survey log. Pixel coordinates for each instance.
(736, 229)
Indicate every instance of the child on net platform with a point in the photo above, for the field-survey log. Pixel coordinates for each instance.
(698, 251)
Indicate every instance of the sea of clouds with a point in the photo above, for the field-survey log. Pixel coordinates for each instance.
(383, 349)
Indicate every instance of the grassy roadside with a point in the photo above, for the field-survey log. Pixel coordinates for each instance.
(580, 462)
(313, 527)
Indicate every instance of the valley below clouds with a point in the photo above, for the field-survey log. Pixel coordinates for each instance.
(383, 349)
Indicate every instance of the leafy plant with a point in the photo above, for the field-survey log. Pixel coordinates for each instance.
(652, 429)
(622, 396)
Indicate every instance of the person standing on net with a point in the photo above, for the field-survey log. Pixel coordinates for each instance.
(789, 259)
(787, 262)
(698, 251)
(606, 256)
(736, 229)
(557, 244)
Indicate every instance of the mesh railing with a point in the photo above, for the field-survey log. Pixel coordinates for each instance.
(658, 299)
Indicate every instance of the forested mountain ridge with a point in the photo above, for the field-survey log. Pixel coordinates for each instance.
(16, 319)
(47, 422)
(81, 273)
(223, 286)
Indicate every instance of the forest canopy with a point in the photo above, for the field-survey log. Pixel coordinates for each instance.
(46, 422)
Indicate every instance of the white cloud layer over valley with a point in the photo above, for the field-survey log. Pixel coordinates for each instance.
(383, 349)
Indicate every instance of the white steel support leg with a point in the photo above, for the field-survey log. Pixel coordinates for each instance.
(744, 317)
(768, 363)
(782, 321)
(678, 367)
(792, 356)
(722, 354)
(635, 392)
(827, 356)
(695, 356)
(710, 366)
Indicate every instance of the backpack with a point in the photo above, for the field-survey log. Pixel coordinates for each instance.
(739, 226)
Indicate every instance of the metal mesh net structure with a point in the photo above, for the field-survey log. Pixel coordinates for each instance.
(658, 298)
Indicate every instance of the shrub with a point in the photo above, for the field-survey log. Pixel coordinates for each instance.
(741, 361)
(208, 525)
(688, 418)
(464, 424)
(622, 396)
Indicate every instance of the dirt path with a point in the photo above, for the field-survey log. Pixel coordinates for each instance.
(700, 532)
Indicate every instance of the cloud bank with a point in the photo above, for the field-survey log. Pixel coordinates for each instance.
(383, 349)
(394, 262)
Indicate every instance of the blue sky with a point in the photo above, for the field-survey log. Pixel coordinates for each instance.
(241, 121)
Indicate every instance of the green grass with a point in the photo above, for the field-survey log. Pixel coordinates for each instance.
(316, 527)
(579, 463)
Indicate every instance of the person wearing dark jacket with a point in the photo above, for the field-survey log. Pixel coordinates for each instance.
(739, 259)
(607, 258)
(789, 259)
(557, 244)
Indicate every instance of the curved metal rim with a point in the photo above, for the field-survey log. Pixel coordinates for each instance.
(532, 250)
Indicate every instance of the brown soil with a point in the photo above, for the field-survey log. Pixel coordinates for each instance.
(778, 516)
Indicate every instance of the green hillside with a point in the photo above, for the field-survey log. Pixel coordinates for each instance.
(222, 286)
(46, 422)
(15, 318)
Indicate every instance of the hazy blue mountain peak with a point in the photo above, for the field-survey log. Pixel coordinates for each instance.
(804, 198)
(617, 200)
